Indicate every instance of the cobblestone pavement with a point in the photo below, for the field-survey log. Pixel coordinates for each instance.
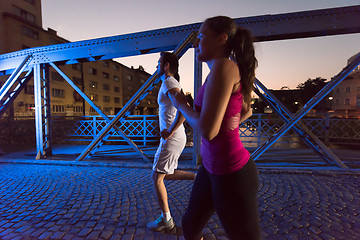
(95, 202)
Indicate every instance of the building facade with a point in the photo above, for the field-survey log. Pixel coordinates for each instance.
(109, 84)
(346, 96)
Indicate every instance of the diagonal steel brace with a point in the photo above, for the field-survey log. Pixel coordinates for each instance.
(308, 106)
(304, 133)
(87, 99)
(139, 95)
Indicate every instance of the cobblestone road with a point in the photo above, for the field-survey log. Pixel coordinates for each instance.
(77, 202)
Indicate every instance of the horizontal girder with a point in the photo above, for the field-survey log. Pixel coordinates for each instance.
(314, 23)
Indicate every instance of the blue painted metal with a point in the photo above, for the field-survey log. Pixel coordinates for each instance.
(308, 106)
(197, 85)
(14, 76)
(264, 28)
(343, 20)
(135, 100)
(38, 113)
(142, 129)
(46, 110)
(87, 99)
(11, 95)
(304, 133)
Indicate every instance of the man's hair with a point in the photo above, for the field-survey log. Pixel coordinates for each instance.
(173, 61)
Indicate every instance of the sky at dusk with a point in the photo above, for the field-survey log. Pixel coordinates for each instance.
(281, 63)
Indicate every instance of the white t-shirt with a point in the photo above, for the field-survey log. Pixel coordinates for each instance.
(167, 112)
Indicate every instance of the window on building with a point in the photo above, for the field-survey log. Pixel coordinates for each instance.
(31, 1)
(58, 108)
(338, 90)
(29, 107)
(347, 89)
(58, 93)
(106, 87)
(56, 76)
(142, 80)
(77, 96)
(77, 80)
(116, 89)
(23, 14)
(358, 101)
(106, 99)
(347, 101)
(76, 66)
(78, 109)
(107, 110)
(106, 75)
(29, 89)
(129, 77)
(93, 84)
(116, 67)
(55, 41)
(93, 97)
(116, 100)
(106, 64)
(116, 78)
(92, 71)
(92, 110)
(29, 33)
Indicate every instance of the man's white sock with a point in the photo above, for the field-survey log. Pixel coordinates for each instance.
(166, 216)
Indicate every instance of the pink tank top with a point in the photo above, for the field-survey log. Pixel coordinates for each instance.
(225, 153)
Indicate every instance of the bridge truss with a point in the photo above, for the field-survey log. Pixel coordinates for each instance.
(35, 62)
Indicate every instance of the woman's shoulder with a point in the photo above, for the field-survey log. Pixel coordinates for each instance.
(226, 68)
(225, 63)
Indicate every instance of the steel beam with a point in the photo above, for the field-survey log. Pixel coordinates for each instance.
(11, 95)
(304, 133)
(46, 110)
(14, 76)
(38, 113)
(197, 85)
(325, 22)
(88, 100)
(308, 106)
(138, 96)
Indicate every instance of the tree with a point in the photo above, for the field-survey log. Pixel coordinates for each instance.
(310, 87)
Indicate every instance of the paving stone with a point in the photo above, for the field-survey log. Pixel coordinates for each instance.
(312, 206)
(45, 235)
(58, 235)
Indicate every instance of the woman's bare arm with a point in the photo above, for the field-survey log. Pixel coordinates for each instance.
(220, 83)
(246, 111)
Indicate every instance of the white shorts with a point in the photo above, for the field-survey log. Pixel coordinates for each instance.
(168, 153)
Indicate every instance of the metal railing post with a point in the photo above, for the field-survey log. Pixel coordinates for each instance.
(327, 129)
(144, 132)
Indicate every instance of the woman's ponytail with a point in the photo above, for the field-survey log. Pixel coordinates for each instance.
(243, 53)
(239, 48)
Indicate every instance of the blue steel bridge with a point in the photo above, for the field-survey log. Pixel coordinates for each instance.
(35, 64)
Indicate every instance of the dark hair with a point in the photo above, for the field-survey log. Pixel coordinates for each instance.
(173, 61)
(239, 48)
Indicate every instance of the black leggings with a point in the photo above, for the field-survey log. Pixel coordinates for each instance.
(233, 197)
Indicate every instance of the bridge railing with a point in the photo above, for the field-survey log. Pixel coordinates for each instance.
(144, 130)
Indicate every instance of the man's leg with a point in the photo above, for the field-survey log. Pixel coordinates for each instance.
(160, 190)
(165, 222)
(180, 175)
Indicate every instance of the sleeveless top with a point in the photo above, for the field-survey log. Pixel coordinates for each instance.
(225, 153)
